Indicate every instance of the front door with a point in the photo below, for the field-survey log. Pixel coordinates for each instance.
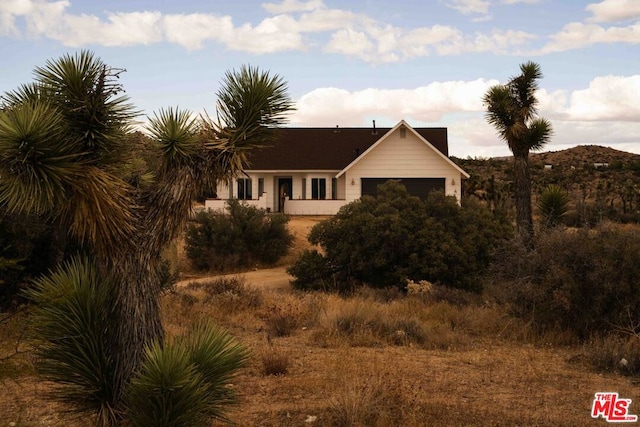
(284, 191)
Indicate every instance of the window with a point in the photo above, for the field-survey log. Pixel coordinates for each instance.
(334, 188)
(260, 186)
(304, 188)
(318, 188)
(244, 189)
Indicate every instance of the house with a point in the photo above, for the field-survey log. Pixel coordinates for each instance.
(315, 171)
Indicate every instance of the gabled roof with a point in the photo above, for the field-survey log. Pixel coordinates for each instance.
(328, 149)
(403, 124)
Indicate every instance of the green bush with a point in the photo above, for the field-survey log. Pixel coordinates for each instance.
(384, 241)
(239, 238)
(584, 281)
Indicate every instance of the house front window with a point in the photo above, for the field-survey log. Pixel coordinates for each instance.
(244, 189)
(318, 188)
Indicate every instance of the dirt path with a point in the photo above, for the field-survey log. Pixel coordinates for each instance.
(270, 278)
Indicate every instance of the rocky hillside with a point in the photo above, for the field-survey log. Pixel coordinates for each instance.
(602, 182)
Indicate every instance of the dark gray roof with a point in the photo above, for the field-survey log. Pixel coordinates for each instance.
(327, 148)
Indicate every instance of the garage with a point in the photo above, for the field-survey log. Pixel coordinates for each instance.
(415, 186)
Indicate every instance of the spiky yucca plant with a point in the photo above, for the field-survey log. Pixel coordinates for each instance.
(185, 382)
(553, 205)
(73, 313)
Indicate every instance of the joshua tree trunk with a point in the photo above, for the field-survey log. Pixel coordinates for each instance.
(138, 321)
(524, 219)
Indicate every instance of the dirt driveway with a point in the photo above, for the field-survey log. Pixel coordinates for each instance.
(269, 279)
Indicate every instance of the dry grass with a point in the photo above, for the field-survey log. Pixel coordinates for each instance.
(368, 361)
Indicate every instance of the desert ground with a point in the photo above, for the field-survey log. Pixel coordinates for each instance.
(470, 365)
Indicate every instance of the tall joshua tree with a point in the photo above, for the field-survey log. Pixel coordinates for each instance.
(62, 146)
(512, 110)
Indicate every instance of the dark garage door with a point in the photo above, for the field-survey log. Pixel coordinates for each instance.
(416, 186)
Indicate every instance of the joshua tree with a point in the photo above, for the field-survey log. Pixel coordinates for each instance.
(512, 110)
(62, 147)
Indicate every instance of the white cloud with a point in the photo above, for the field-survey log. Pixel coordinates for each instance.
(288, 6)
(191, 31)
(467, 7)
(614, 10)
(607, 98)
(577, 35)
(330, 106)
(275, 34)
(350, 34)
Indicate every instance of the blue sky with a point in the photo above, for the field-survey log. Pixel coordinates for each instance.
(348, 63)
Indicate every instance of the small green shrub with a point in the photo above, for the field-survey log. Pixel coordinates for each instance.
(239, 238)
(312, 271)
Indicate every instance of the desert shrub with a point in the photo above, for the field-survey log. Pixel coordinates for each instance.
(282, 320)
(614, 353)
(239, 238)
(312, 271)
(274, 361)
(585, 281)
(384, 241)
(229, 293)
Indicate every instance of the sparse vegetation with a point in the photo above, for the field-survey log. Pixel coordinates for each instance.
(584, 281)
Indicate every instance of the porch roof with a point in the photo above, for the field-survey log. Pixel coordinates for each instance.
(327, 148)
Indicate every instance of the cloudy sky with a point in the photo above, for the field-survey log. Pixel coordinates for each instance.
(350, 62)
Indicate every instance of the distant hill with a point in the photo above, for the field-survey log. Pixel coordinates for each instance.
(585, 155)
(601, 181)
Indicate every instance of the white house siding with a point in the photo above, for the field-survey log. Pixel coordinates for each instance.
(407, 157)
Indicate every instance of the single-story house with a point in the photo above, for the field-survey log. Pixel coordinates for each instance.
(315, 171)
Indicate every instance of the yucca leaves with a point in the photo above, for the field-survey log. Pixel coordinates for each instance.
(184, 382)
(73, 321)
(175, 131)
(553, 204)
(251, 103)
(33, 161)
